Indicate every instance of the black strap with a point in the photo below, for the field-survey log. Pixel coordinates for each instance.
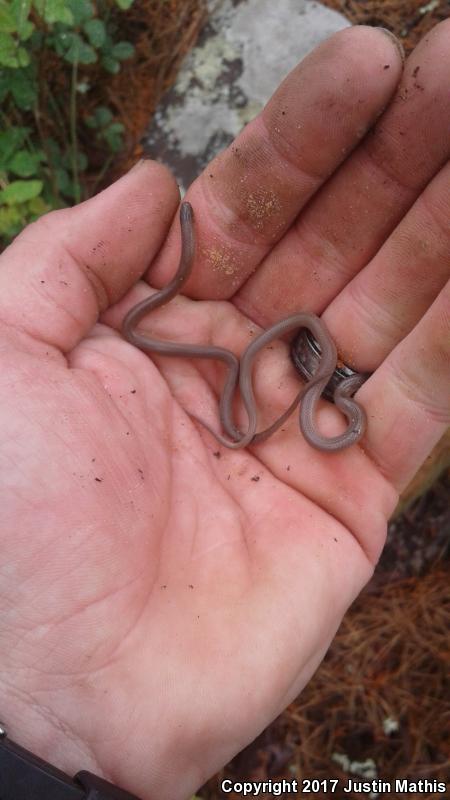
(25, 776)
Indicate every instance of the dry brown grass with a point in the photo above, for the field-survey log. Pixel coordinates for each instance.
(408, 19)
(391, 659)
(163, 31)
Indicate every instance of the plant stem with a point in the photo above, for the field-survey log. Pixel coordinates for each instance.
(73, 131)
(51, 171)
(101, 174)
(42, 134)
(58, 116)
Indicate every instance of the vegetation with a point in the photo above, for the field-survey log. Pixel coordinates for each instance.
(51, 54)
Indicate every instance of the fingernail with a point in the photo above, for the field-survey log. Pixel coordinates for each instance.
(394, 39)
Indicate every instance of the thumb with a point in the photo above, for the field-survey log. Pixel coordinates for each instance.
(63, 270)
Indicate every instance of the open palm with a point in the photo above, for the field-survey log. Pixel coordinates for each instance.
(161, 598)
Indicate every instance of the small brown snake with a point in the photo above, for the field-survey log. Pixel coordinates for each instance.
(242, 371)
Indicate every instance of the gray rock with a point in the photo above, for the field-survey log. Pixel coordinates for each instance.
(245, 51)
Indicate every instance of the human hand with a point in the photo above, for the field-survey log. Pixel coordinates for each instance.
(161, 604)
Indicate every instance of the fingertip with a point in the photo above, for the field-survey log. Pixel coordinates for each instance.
(393, 38)
(155, 171)
(370, 44)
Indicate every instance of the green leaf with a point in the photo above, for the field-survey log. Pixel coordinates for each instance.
(21, 10)
(103, 116)
(66, 160)
(19, 191)
(23, 87)
(52, 147)
(124, 5)
(64, 183)
(113, 136)
(116, 127)
(81, 10)
(95, 31)
(8, 51)
(37, 206)
(79, 52)
(111, 65)
(8, 22)
(122, 50)
(87, 54)
(24, 163)
(60, 40)
(23, 57)
(10, 141)
(54, 11)
(37, 39)
(10, 220)
(25, 30)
